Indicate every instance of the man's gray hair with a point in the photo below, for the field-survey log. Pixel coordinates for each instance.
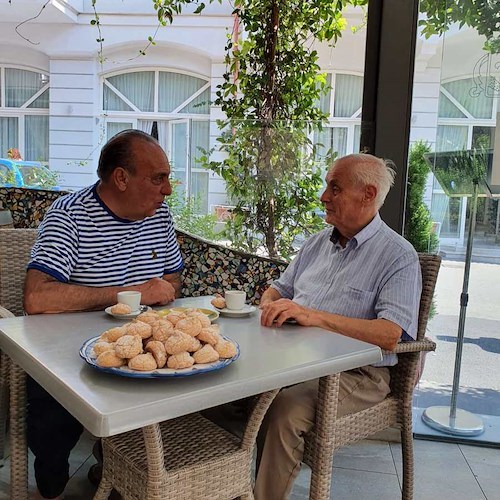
(367, 170)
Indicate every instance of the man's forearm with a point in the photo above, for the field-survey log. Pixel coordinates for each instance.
(381, 332)
(175, 280)
(56, 297)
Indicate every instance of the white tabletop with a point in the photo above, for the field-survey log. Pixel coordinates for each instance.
(47, 346)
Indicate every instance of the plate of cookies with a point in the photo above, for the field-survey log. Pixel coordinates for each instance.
(177, 344)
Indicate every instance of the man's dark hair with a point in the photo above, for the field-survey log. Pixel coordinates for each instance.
(118, 152)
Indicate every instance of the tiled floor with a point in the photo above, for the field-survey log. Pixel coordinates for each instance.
(370, 470)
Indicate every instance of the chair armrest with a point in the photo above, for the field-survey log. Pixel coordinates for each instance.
(413, 346)
(261, 404)
(5, 313)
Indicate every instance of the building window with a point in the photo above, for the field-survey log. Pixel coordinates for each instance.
(343, 104)
(174, 107)
(465, 116)
(466, 119)
(24, 113)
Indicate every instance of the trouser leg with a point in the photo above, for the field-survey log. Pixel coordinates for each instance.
(52, 434)
(291, 416)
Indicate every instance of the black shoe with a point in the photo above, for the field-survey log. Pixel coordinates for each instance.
(95, 474)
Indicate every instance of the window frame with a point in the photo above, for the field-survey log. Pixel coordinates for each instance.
(20, 112)
(174, 116)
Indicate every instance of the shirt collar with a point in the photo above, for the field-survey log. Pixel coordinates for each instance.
(365, 234)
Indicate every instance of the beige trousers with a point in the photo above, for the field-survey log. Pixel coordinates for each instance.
(291, 415)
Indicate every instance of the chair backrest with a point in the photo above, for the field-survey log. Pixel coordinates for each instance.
(429, 265)
(15, 248)
(211, 268)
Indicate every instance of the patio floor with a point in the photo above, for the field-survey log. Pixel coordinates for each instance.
(370, 470)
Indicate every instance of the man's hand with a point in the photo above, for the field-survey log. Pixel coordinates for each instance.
(156, 292)
(277, 312)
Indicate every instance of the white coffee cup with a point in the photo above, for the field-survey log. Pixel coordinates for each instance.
(235, 299)
(131, 298)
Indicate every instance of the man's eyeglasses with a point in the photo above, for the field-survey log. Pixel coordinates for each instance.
(158, 180)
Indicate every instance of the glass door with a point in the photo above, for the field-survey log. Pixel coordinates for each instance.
(179, 156)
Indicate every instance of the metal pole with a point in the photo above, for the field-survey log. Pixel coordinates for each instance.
(464, 299)
(449, 419)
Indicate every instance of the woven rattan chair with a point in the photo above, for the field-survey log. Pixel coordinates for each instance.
(4, 389)
(331, 433)
(15, 247)
(187, 458)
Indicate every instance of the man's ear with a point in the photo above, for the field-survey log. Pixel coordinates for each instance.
(370, 194)
(120, 178)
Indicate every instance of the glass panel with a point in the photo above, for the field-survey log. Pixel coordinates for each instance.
(483, 137)
(451, 138)
(199, 140)
(36, 130)
(447, 109)
(113, 128)
(348, 93)
(178, 162)
(21, 85)
(8, 135)
(199, 105)
(42, 101)
(111, 102)
(325, 99)
(331, 140)
(175, 88)
(199, 191)
(475, 322)
(138, 88)
(478, 104)
(357, 138)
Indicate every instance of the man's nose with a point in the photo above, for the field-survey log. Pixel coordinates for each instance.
(166, 189)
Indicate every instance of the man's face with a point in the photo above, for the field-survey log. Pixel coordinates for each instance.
(148, 186)
(343, 200)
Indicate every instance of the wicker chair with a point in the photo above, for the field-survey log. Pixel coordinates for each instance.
(4, 390)
(15, 247)
(330, 433)
(188, 458)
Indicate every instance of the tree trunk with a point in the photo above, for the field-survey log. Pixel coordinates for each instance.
(266, 209)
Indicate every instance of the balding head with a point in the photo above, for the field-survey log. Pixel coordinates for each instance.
(368, 170)
(119, 152)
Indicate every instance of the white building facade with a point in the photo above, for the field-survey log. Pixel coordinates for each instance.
(61, 98)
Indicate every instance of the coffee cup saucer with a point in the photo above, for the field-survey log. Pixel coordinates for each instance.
(133, 314)
(238, 313)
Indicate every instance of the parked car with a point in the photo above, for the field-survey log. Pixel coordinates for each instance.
(28, 174)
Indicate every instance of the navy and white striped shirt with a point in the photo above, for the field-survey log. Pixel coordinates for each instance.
(376, 275)
(81, 241)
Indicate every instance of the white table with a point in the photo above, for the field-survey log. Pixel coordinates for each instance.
(46, 347)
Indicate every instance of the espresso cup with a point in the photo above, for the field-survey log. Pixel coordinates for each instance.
(235, 299)
(131, 298)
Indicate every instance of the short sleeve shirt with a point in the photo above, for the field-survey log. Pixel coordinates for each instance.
(81, 241)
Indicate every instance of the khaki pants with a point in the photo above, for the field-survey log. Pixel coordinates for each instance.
(291, 416)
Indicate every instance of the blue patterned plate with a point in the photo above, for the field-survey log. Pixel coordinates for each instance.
(86, 352)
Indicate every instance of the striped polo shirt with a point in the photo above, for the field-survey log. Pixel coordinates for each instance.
(376, 275)
(81, 241)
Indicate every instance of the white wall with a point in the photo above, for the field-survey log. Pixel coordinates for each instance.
(72, 121)
(195, 44)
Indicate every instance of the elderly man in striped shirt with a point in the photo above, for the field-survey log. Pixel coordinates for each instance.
(115, 235)
(361, 280)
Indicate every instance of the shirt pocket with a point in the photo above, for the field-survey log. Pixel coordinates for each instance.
(359, 303)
